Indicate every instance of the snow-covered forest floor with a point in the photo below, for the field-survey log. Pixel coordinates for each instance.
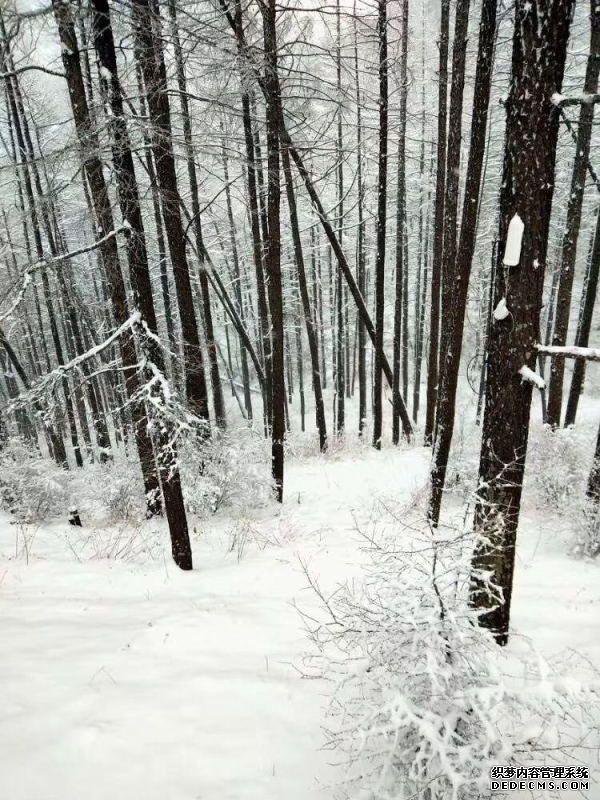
(124, 677)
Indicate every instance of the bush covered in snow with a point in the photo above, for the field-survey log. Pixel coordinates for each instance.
(557, 466)
(35, 488)
(32, 488)
(586, 543)
(425, 702)
(227, 471)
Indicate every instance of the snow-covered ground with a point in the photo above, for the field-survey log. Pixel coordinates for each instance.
(135, 681)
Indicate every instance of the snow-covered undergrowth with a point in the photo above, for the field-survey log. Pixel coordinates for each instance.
(556, 474)
(155, 684)
(230, 471)
(425, 702)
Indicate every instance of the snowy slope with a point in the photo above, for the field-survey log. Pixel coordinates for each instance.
(128, 681)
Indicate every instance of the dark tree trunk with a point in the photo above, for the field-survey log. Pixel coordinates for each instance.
(137, 260)
(322, 215)
(308, 315)
(456, 309)
(583, 334)
(215, 378)
(459, 57)
(340, 370)
(237, 280)
(381, 221)
(257, 253)
(273, 242)
(593, 487)
(401, 263)
(438, 227)
(539, 51)
(147, 24)
(360, 250)
(573, 224)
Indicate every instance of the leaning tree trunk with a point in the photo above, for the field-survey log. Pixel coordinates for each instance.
(246, 52)
(255, 227)
(573, 224)
(308, 315)
(539, 51)
(460, 284)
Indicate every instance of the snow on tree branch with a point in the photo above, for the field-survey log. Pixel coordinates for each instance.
(588, 353)
(53, 262)
(560, 101)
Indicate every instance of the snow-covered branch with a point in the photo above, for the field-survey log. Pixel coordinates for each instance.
(560, 101)
(31, 67)
(55, 261)
(588, 353)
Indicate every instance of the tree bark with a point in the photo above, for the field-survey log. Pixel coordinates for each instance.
(539, 50)
(273, 243)
(147, 26)
(438, 227)
(573, 224)
(585, 327)
(400, 306)
(308, 315)
(458, 289)
(215, 378)
(381, 221)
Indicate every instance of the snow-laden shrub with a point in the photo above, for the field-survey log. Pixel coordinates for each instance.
(35, 488)
(425, 702)
(125, 542)
(586, 542)
(557, 466)
(227, 471)
(112, 492)
(32, 487)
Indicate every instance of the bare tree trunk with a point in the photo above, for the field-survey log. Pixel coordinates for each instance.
(360, 247)
(539, 50)
(215, 378)
(458, 290)
(438, 227)
(340, 387)
(583, 334)
(573, 224)
(147, 24)
(273, 242)
(308, 315)
(322, 215)
(381, 220)
(401, 263)
(459, 57)
(257, 252)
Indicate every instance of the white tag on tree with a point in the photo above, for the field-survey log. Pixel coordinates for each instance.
(501, 311)
(514, 237)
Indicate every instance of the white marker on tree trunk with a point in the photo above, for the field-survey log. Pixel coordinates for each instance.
(514, 237)
(501, 311)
